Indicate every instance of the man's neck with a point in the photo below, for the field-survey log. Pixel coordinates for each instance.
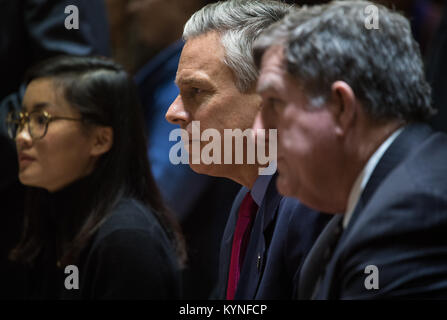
(362, 145)
(365, 174)
(246, 175)
(375, 137)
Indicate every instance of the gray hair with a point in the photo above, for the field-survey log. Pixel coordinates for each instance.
(327, 43)
(239, 22)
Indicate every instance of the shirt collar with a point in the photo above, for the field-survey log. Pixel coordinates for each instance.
(365, 174)
(260, 187)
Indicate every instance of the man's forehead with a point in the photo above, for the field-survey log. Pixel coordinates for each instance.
(203, 49)
(202, 60)
(273, 57)
(272, 68)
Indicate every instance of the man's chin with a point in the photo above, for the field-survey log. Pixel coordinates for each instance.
(202, 168)
(212, 170)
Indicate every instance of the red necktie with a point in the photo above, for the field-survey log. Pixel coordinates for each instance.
(247, 212)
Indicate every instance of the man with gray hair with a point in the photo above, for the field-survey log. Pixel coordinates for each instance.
(350, 102)
(266, 236)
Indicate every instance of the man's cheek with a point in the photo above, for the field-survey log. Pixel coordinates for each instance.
(286, 145)
(282, 184)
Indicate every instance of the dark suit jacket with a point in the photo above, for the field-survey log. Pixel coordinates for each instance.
(399, 225)
(283, 232)
(437, 75)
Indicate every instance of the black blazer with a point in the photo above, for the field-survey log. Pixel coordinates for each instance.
(399, 225)
(437, 75)
(283, 232)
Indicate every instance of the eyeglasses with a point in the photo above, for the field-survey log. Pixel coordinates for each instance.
(37, 122)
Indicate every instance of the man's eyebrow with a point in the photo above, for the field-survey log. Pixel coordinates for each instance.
(35, 107)
(270, 84)
(265, 86)
(191, 81)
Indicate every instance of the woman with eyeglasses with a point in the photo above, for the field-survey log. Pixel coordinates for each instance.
(95, 225)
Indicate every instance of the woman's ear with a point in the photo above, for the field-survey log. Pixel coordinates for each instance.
(344, 106)
(102, 140)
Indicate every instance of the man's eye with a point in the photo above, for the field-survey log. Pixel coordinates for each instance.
(196, 90)
(192, 93)
(275, 104)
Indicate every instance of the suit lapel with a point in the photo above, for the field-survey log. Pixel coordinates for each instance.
(312, 267)
(260, 238)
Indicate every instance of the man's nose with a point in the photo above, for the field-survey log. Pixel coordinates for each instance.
(176, 113)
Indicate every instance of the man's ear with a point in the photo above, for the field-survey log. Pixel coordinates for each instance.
(344, 106)
(102, 140)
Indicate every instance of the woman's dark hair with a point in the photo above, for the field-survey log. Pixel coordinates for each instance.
(104, 94)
